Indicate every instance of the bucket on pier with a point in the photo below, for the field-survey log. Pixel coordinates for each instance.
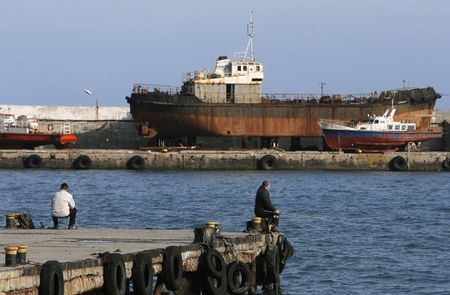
(10, 255)
(22, 254)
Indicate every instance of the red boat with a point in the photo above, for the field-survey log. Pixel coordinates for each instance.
(23, 134)
(379, 133)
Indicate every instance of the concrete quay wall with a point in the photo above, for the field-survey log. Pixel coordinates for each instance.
(225, 160)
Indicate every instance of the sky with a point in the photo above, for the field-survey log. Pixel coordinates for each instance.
(50, 51)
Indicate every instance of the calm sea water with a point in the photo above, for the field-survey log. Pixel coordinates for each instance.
(354, 232)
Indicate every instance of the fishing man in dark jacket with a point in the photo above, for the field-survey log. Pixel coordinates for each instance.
(264, 207)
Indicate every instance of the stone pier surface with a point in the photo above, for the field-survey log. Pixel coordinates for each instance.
(185, 159)
(82, 253)
(71, 245)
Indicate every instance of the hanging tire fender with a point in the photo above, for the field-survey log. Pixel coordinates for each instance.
(114, 275)
(272, 264)
(268, 162)
(83, 162)
(213, 285)
(33, 162)
(172, 268)
(136, 163)
(398, 163)
(214, 263)
(51, 278)
(142, 273)
(238, 269)
(446, 164)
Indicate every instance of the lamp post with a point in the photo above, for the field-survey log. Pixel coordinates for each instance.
(322, 84)
(90, 93)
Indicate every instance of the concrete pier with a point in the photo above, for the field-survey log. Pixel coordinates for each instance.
(269, 159)
(82, 254)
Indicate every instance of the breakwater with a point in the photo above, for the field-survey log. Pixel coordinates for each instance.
(164, 159)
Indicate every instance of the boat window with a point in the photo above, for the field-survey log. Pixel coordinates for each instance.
(397, 127)
(239, 68)
(382, 122)
(376, 121)
(389, 127)
(258, 68)
(411, 127)
(245, 68)
(403, 127)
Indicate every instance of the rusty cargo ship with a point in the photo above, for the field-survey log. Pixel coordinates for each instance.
(228, 102)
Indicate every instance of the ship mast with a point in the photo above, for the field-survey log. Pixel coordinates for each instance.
(249, 53)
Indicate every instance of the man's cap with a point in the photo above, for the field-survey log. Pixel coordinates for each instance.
(64, 186)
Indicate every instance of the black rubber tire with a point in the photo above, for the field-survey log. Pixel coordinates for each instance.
(268, 162)
(213, 285)
(172, 268)
(214, 263)
(235, 269)
(83, 162)
(114, 275)
(51, 278)
(136, 163)
(33, 161)
(446, 164)
(398, 163)
(272, 264)
(142, 274)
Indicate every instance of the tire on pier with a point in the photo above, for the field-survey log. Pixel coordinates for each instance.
(136, 163)
(272, 264)
(238, 278)
(446, 164)
(33, 161)
(172, 268)
(114, 275)
(142, 273)
(51, 278)
(83, 162)
(215, 272)
(398, 163)
(268, 162)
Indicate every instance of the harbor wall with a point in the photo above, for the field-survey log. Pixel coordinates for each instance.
(165, 159)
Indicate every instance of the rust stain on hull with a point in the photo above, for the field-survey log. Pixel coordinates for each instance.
(169, 120)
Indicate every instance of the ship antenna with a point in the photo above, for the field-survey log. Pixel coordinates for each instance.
(250, 34)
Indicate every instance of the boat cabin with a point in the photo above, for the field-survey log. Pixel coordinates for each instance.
(386, 123)
(231, 82)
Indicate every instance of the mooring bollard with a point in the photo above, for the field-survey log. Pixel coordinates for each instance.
(22, 254)
(256, 223)
(11, 220)
(10, 255)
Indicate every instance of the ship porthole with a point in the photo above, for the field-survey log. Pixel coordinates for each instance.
(398, 163)
(50, 127)
(268, 162)
(33, 161)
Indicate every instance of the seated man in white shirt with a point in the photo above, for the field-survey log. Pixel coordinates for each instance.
(63, 206)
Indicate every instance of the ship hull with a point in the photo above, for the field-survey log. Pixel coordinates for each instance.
(161, 119)
(32, 140)
(375, 140)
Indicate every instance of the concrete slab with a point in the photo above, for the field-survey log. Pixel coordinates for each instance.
(79, 244)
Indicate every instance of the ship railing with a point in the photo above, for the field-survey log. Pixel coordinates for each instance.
(155, 88)
(319, 98)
